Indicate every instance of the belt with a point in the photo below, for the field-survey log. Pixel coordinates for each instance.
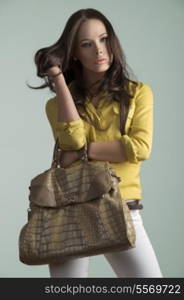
(134, 204)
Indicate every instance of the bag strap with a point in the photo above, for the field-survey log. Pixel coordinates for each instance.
(123, 117)
(57, 154)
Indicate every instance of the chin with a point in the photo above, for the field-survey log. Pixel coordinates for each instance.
(99, 69)
(102, 70)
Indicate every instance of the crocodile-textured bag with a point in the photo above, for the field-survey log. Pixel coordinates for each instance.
(75, 212)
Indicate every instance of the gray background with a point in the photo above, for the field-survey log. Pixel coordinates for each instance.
(151, 34)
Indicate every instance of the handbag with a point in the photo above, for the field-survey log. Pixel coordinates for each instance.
(74, 212)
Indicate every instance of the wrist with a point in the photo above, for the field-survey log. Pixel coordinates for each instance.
(90, 150)
(83, 152)
(55, 76)
(53, 72)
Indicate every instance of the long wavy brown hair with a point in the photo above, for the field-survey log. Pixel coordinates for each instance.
(116, 80)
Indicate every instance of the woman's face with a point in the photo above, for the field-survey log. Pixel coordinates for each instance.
(92, 46)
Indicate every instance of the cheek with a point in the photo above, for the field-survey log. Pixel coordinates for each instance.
(85, 57)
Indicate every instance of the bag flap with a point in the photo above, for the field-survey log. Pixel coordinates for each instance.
(77, 184)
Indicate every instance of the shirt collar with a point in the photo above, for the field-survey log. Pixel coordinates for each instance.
(101, 99)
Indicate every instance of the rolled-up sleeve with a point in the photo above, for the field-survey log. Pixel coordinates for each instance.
(71, 134)
(138, 141)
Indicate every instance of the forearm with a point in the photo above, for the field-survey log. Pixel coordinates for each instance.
(112, 151)
(66, 107)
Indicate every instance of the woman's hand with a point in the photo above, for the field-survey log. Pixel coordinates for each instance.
(53, 71)
(68, 157)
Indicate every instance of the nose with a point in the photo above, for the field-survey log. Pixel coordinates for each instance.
(98, 50)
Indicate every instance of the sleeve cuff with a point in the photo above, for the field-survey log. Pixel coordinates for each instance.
(69, 126)
(130, 149)
(71, 134)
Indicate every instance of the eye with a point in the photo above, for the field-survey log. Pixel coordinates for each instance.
(85, 45)
(104, 38)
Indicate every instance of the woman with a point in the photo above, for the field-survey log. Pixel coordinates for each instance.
(87, 71)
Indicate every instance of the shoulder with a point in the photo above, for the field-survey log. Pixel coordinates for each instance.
(139, 88)
(144, 88)
(143, 94)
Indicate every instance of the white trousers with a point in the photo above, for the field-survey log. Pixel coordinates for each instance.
(137, 262)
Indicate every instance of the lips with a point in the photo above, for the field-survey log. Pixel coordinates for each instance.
(100, 61)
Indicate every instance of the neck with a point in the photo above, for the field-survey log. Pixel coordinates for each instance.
(90, 78)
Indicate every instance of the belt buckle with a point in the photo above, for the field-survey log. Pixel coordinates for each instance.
(134, 204)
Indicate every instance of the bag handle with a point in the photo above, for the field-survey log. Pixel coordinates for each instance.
(57, 154)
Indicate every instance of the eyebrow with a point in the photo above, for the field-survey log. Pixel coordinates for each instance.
(89, 39)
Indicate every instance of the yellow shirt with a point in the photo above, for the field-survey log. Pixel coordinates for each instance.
(137, 139)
